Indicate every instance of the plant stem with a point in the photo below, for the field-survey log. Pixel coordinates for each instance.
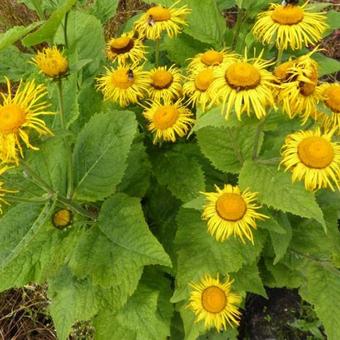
(66, 141)
(239, 21)
(157, 44)
(65, 30)
(279, 56)
(257, 138)
(27, 200)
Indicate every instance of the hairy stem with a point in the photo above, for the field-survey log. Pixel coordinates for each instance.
(157, 45)
(238, 24)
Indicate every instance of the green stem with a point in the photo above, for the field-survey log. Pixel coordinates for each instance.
(27, 200)
(239, 21)
(271, 161)
(157, 45)
(257, 138)
(65, 30)
(66, 141)
(279, 56)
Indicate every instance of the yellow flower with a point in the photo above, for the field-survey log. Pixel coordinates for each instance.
(230, 212)
(3, 191)
(123, 85)
(165, 83)
(210, 59)
(198, 88)
(158, 19)
(314, 158)
(62, 218)
(18, 115)
(51, 62)
(213, 301)
(168, 120)
(126, 49)
(245, 86)
(290, 26)
(331, 94)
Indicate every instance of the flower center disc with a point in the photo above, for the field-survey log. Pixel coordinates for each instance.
(121, 45)
(62, 218)
(11, 118)
(231, 207)
(204, 79)
(308, 88)
(165, 117)
(211, 58)
(214, 299)
(315, 152)
(161, 79)
(121, 79)
(159, 13)
(242, 76)
(282, 71)
(333, 98)
(287, 15)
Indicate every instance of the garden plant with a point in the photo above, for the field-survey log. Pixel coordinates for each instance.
(157, 177)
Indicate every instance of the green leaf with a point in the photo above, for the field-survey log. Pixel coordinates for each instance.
(182, 48)
(322, 289)
(138, 320)
(276, 190)
(212, 118)
(180, 172)
(248, 279)
(205, 22)
(198, 252)
(47, 31)
(114, 252)
(15, 33)
(101, 152)
(72, 300)
(227, 148)
(32, 249)
(137, 175)
(333, 19)
(326, 65)
(104, 9)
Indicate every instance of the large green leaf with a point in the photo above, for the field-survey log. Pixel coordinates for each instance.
(138, 320)
(180, 172)
(227, 148)
(322, 289)
(104, 9)
(72, 300)
(205, 22)
(15, 33)
(199, 253)
(326, 65)
(114, 252)
(31, 248)
(101, 152)
(47, 31)
(276, 190)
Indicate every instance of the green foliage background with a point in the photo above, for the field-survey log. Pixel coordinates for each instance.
(128, 269)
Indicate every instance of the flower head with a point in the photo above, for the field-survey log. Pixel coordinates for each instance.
(213, 301)
(210, 59)
(126, 49)
(198, 88)
(51, 62)
(230, 212)
(168, 121)
(245, 86)
(62, 218)
(164, 83)
(313, 157)
(158, 19)
(19, 115)
(290, 26)
(123, 85)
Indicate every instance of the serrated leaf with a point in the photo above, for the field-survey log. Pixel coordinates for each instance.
(181, 173)
(248, 279)
(15, 33)
(205, 22)
(114, 252)
(138, 320)
(276, 190)
(198, 253)
(227, 148)
(322, 289)
(101, 152)
(72, 300)
(49, 28)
